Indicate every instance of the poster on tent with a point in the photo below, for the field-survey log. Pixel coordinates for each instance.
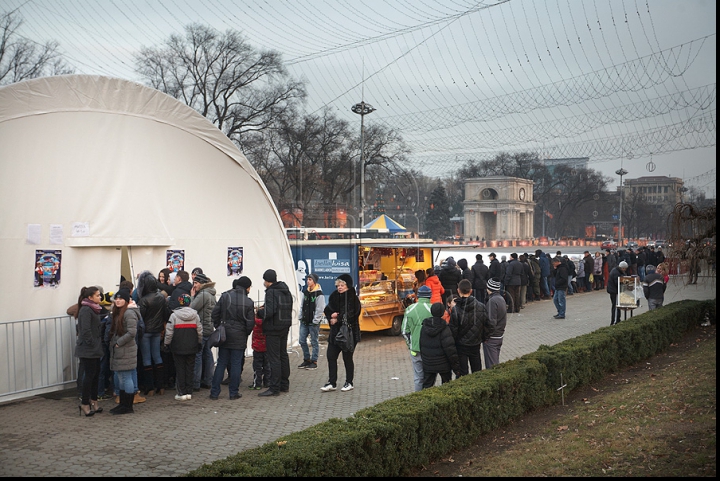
(175, 260)
(47, 268)
(234, 261)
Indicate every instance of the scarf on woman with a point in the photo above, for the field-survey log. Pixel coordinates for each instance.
(92, 305)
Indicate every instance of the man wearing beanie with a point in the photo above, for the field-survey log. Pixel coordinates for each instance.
(237, 312)
(495, 328)
(612, 289)
(277, 319)
(438, 347)
(311, 314)
(412, 323)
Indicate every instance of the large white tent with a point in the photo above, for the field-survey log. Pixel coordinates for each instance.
(107, 172)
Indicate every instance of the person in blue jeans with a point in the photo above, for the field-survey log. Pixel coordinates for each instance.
(561, 279)
(311, 314)
(203, 292)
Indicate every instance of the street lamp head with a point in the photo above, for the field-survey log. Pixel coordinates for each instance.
(621, 172)
(362, 108)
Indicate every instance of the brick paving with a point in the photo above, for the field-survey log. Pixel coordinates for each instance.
(42, 436)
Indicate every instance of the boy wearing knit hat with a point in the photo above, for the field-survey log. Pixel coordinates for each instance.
(412, 323)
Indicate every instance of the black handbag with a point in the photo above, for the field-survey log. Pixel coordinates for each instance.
(344, 337)
(217, 338)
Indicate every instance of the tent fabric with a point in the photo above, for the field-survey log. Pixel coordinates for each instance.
(133, 168)
(385, 222)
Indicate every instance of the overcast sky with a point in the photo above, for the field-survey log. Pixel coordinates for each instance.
(612, 80)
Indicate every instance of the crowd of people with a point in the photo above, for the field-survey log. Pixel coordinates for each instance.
(144, 338)
(473, 302)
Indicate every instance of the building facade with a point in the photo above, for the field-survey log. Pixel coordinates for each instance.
(660, 190)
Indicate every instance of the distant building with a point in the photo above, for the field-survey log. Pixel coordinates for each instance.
(660, 190)
(498, 207)
(573, 162)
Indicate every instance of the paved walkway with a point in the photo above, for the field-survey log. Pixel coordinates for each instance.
(42, 436)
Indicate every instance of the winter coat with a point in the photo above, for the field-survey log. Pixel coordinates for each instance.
(413, 321)
(184, 331)
(185, 287)
(89, 339)
(278, 309)
(494, 270)
(437, 345)
(536, 268)
(449, 277)
(598, 266)
(465, 272)
(612, 287)
(313, 306)
(654, 286)
(526, 274)
(467, 322)
(258, 338)
(204, 303)
(612, 261)
(562, 276)
(496, 316)
(480, 276)
(513, 273)
(154, 311)
(237, 311)
(544, 264)
(581, 269)
(124, 356)
(436, 287)
(589, 262)
(348, 304)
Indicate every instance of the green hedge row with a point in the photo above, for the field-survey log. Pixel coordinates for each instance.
(405, 432)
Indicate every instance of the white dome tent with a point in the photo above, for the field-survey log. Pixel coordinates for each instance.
(114, 175)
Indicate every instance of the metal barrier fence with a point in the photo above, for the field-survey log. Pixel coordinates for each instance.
(38, 355)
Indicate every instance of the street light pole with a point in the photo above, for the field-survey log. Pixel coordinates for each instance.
(362, 109)
(620, 172)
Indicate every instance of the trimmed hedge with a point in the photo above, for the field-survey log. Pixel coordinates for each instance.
(408, 431)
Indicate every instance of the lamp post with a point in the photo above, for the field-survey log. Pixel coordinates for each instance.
(620, 172)
(362, 109)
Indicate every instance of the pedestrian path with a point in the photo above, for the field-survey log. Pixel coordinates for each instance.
(43, 435)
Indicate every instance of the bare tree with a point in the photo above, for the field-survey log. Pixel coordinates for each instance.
(237, 87)
(23, 59)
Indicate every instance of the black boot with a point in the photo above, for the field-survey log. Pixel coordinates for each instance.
(129, 397)
(120, 405)
(147, 381)
(159, 379)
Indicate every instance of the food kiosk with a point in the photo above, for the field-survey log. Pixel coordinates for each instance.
(383, 271)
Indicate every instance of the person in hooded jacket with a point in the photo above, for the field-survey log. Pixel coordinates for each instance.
(449, 277)
(545, 272)
(435, 285)
(184, 338)
(277, 319)
(467, 322)
(236, 311)
(89, 347)
(154, 311)
(123, 348)
(513, 280)
(342, 304)
(204, 302)
(562, 282)
(438, 347)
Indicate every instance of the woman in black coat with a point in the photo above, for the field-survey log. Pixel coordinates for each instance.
(343, 304)
(89, 347)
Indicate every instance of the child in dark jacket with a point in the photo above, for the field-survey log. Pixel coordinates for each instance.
(439, 354)
(261, 367)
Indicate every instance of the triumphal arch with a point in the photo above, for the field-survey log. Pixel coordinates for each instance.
(498, 208)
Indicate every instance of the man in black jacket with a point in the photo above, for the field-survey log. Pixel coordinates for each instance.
(612, 289)
(494, 271)
(562, 281)
(182, 286)
(479, 278)
(513, 280)
(467, 321)
(237, 312)
(277, 319)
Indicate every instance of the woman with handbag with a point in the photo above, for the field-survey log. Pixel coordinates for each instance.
(343, 309)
